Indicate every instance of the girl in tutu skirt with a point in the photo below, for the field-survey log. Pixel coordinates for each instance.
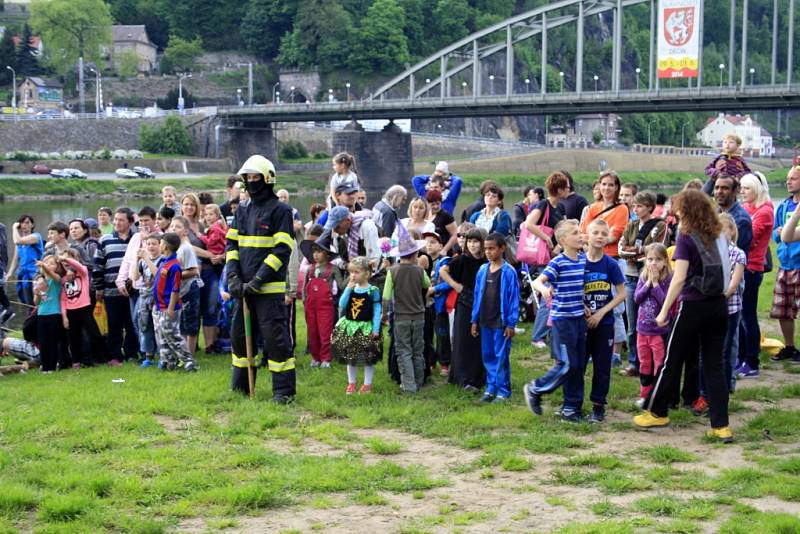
(356, 339)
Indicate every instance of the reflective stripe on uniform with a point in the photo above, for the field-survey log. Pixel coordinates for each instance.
(271, 288)
(256, 241)
(284, 238)
(280, 367)
(273, 261)
(233, 234)
(238, 362)
(232, 255)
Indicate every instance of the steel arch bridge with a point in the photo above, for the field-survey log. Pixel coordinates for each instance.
(437, 85)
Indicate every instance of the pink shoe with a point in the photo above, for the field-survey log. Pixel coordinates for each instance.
(351, 388)
(115, 363)
(76, 366)
(365, 389)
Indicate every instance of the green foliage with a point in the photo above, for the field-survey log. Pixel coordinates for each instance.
(171, 100)
(450, 18)
(127, 64)
(380, 45)
(71, 29)
(216, 23)
(27, 60)
(8, 56)
(169, 138)
(142, 12)
(322, 36)
(597, 137)
(181, 55)
(264, 23)
(293, 150)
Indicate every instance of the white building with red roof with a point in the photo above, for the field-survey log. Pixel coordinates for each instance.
(756, 141)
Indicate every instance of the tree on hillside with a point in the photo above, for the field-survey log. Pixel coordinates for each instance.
(180, 55)
(263, 25)
(142, 12)
(170, 101)
(380, 45)
(450, 20)
(321, 36)
(72, 29)
(8, 56)
(216, 23)
(27, 55)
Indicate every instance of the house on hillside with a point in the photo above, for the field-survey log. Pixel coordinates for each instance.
(587, 124)
(132, 38)
(756, 141)
(41, 93)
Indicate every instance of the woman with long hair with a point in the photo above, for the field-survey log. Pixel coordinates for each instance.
(701, 322)
(611, 210)
(418, 214)
(755, 196)
(29, 248)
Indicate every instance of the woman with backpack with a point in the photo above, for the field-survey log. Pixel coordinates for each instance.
(701, 275)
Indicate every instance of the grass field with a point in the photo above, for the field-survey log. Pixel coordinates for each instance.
(165, 452)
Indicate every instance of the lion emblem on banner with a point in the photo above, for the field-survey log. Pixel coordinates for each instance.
(678, 25)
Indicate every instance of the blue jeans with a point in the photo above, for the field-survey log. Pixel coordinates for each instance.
(633, 313)
(540, 330)
(569, 345)
(209, 297)
(750, 346)
(144, 326)
(190, 311)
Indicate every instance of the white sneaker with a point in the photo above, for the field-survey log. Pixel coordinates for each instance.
(315, 363)
(518, 330)
(539, 345)
(640, 403)
(325, 365)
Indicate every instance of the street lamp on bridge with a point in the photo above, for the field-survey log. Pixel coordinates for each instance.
(638, 72)
(527, 85)
(648, 131)
(278, 97)
(561, 76)
(721, 70)
(274, 93)
(752, 72)
(348, 90)
(491, 80)
(427, 84)
(464, 88)
(684, 125)
(291, 94)
(596, 77)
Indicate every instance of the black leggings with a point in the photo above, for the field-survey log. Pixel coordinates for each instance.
(700, 326)
(50, 333)
(83, 330)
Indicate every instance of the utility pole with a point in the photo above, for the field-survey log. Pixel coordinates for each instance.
(81, 95)
(250, 84)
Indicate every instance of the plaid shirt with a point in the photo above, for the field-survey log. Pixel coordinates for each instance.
(736, 255)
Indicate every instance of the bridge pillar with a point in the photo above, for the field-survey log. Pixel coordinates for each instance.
(240, 141)
(383, 158)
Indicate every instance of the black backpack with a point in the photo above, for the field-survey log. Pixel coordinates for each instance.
(716, 267)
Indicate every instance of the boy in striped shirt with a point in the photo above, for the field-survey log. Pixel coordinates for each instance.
(565, 273)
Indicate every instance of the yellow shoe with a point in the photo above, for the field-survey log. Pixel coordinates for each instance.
(724, 434)
(648, 419)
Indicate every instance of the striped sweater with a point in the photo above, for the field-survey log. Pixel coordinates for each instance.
(107, 260)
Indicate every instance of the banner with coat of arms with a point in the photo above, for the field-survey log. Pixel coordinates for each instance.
(678, 38)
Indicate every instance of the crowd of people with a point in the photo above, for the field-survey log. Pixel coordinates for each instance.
(672, 281)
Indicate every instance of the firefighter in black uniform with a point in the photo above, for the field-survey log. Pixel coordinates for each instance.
(257, 255)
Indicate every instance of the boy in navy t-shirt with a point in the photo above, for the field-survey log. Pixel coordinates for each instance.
(602, 272)
(565, 272)
(167, 307)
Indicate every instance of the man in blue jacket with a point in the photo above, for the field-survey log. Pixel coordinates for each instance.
(496, 311)
(441, 179)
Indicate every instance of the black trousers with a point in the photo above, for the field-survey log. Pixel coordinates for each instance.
(85, 341)
(119, 319)
(52, 349)
(269, 317)
(701, 325)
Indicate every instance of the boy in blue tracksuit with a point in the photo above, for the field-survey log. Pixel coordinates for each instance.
(496, 311)
(565, 273)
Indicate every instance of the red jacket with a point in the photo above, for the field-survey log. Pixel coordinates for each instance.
(763, 220)
(215, 238)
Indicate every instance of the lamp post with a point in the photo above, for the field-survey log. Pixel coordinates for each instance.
(427, 83)
(239, 100)
(464, 88)
(648, 131)
(491, 84)
(752, 72)
(638, 71)
(527, 85)
(330, 95)
(561, 76)
(596, 77)
(684, 125)
(181, 77)
(13, 90)
(348, 90)
(96, 91)
(291, 94)
(274, 92)
(721, 70)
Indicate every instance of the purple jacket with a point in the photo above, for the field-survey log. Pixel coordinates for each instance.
(650, 299)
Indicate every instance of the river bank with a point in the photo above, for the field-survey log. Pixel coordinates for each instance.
(21, 189)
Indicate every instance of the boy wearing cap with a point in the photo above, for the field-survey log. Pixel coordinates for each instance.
(443, 181)
(439, 290)
(406, 284)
